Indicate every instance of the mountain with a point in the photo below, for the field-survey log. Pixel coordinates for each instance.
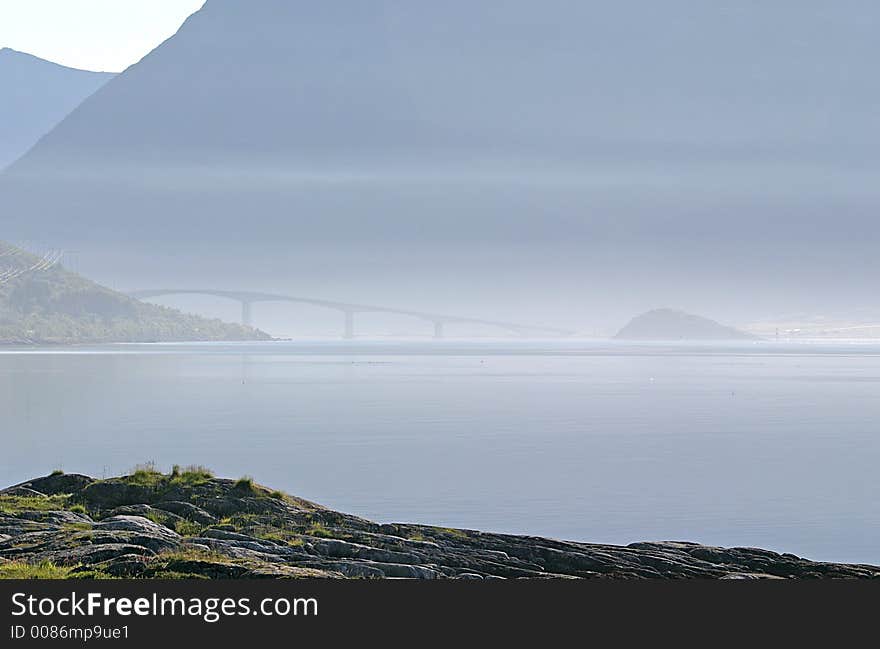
(41, 302)
(669, 324)
(429, 153)
(37, 95)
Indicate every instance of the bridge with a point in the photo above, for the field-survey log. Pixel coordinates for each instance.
(348, 311)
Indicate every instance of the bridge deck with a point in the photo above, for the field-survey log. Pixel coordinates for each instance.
(348, 308)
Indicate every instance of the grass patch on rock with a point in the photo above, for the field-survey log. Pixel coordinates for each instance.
(193, 563)
(190, 476)
(288, 537)
(76, 527)
(245, 485)
(145, 475)
(18, 504)
(450, 531)
(320, 530)
(41, 570)
(48, 570)
(188, 528)
(192, 554)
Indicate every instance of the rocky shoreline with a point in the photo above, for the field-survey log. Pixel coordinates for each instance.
(189, 524)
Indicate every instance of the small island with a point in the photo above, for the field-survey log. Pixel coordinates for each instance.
(671, 324)
(189, 524)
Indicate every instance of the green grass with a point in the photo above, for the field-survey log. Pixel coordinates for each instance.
(56, 472)
(188, 528)
(245, 485)
(269, 533)
(192, 554)
(319, 529)
(191, 475)
(459, 534)
(157, 516)
(278, 495)
(89, 574)
(17, 504)
(42, 570)
(239, 520)
(176, 576)
(181, 526)
(145, 475)
(79, 509)
(48, 570)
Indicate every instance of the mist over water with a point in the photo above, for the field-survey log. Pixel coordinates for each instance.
(757, 444)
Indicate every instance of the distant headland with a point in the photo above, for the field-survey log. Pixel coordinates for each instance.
(41, 302)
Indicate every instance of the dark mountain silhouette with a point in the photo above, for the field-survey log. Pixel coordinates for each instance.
(37, 94)
(368, 145)
(669, 324)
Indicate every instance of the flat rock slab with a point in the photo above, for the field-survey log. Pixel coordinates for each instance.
(92, 554)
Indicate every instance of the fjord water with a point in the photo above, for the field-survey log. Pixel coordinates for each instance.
(772, 445)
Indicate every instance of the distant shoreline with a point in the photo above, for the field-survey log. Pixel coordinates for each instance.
(427, 340)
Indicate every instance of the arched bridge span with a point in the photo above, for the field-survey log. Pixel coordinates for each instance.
(348, 309)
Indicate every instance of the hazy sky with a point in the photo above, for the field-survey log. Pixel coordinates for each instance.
(103, 35)
(566, 162)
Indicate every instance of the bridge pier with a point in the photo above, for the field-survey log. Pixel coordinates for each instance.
(438, 329)
(349, 325)
(246, 318)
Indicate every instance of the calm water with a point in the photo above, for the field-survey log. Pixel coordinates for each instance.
(770, 445)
